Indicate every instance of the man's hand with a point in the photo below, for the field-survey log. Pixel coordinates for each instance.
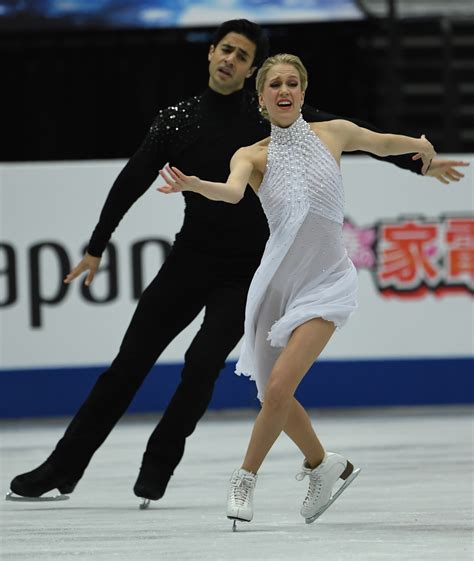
(87, 263)
(445, 170)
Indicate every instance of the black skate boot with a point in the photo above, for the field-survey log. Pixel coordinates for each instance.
(151, 483)
(46, 477)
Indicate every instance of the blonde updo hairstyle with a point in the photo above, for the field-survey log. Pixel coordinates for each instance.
(282, 58)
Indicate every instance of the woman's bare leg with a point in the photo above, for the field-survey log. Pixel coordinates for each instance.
(299, 428)
(305, 345)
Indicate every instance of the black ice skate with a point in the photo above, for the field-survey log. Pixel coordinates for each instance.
(31, 486)
(151, 484)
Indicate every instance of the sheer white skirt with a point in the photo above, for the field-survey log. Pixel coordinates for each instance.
(315, 278)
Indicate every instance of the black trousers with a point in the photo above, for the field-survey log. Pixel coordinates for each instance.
(186, 283)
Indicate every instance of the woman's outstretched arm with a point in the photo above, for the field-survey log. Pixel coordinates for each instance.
(231, 191)
(351, 137)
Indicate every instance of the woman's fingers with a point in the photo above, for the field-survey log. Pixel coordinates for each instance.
(167, 190)
(179, 174)
(172, 173)
(175, 180)
(170, 183)
(165, 176)
(170, 176)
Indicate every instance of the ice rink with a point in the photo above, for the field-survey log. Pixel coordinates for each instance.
(413, 500)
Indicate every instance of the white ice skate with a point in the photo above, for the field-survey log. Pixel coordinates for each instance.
(322, 480)
(240, 496)
(11, 496)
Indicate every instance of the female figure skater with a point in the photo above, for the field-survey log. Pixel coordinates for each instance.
(306, 285)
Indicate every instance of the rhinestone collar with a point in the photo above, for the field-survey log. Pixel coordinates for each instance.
(288, 135)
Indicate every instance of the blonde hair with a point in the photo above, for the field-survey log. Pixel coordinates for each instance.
(282, 58)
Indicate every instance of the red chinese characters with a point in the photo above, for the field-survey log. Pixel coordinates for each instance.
(415, 257)
(460, 251)
(408, 255)
(410, 258)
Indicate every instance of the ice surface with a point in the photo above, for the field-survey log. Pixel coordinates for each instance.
(413, 500)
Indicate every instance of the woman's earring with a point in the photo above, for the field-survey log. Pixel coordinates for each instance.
(261, 108)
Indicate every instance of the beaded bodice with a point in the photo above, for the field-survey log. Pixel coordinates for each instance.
(301, 176)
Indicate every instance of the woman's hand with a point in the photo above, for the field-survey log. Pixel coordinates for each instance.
(176, 181)
(426, 153)
(87, 263)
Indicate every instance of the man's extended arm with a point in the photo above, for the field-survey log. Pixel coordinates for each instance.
(134, 179)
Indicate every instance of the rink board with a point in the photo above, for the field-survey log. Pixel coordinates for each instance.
(410, 341)
(27, 393)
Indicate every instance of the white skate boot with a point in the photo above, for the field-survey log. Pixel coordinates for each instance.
(322, 480)
(240, 496)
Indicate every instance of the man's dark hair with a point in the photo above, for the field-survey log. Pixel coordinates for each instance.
(248, 29)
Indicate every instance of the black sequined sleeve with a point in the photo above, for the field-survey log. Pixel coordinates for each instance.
(403, 161)
(135, 178)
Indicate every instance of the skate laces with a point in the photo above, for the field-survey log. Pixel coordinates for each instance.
(315, 484)
(302, 474)
(241, 485)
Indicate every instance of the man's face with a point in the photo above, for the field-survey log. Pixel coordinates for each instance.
(230, 63)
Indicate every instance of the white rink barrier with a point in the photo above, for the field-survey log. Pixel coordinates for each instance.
(411, 238)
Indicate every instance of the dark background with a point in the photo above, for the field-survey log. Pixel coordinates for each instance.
(92, 94)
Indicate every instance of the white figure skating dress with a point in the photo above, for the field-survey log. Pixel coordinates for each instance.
(305, 271)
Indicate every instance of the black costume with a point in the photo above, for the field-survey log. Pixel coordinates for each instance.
(210, 266)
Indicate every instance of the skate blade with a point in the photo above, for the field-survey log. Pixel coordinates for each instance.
(145, 504)
(336, 495)
(18, 498)
(235, 520)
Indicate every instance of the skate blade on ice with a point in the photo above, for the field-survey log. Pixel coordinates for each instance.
(336, 495)
(47, 499)
(145, 504)
(235, 520)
